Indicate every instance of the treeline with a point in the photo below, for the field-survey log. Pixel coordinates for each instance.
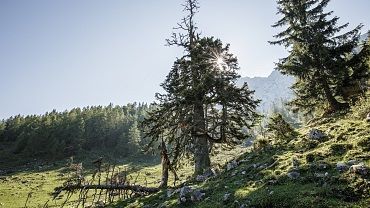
(111, 129)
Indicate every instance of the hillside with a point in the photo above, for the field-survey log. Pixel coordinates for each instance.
(328, 170)
(271, 89)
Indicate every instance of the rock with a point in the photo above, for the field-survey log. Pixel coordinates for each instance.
(293, 175)
(200, 178)
(321, 175)
(226, 197)
(207, 174)
(185, 191)
(322, 166)
(231, 165)
(244, 172)
(316, 134)
(342, 167)
(197, 196)
(188, 194)
(359, 169)
(352, 162)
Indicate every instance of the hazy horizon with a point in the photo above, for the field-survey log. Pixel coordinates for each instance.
(65, 54)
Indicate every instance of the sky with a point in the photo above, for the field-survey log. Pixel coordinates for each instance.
(62, 54)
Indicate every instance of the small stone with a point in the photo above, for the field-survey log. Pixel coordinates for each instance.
(197, 196)
(322, 166)
(231, 165)
(316, 134)
(319, 175)
(293, 175)
(200, 178)
(226, 197)
(342, 167)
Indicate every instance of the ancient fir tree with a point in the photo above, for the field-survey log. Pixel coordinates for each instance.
(201, 105)
(324, 61)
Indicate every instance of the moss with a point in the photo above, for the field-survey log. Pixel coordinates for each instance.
(340, 148)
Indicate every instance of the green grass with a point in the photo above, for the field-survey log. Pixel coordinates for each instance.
(348, 139)
(40, 180)
(269, 186)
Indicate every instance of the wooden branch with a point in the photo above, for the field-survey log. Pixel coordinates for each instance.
(135, 188)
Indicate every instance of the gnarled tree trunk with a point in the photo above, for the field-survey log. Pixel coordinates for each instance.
(201, 153)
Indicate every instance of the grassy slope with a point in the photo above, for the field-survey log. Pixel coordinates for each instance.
(249, 183)
(256, 186)
(40, 178)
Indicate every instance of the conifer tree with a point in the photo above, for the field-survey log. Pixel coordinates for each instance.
(202, 104)
(319, 57)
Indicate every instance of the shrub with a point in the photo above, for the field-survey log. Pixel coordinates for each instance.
(280, 130)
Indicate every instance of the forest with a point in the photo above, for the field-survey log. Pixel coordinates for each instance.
(203, 142)
(59, 135)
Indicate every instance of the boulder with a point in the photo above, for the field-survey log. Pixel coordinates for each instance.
(187, 194)
(367, 118)
(316, 134)
(359, 169)
(342, 167)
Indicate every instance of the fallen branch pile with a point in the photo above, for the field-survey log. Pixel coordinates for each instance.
(106, 185)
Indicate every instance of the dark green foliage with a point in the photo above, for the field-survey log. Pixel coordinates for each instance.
(279, 129)
(327, 69)
(59, 134)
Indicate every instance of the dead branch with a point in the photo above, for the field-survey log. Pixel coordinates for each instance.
(134, 188)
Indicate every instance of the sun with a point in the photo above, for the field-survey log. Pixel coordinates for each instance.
(220, 61)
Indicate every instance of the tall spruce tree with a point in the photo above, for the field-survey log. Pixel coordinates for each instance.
(322, 60)
(202, 104)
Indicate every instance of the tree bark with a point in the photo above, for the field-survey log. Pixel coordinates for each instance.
(201, 153)
(165, 166)
(335, 105)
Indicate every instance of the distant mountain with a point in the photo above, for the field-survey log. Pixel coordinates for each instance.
(364, 36)
(270, 89)
(275, 87)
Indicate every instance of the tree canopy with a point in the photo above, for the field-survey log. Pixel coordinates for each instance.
(202, 104)
(320, 56)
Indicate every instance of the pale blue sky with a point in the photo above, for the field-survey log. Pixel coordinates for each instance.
(60, 54)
